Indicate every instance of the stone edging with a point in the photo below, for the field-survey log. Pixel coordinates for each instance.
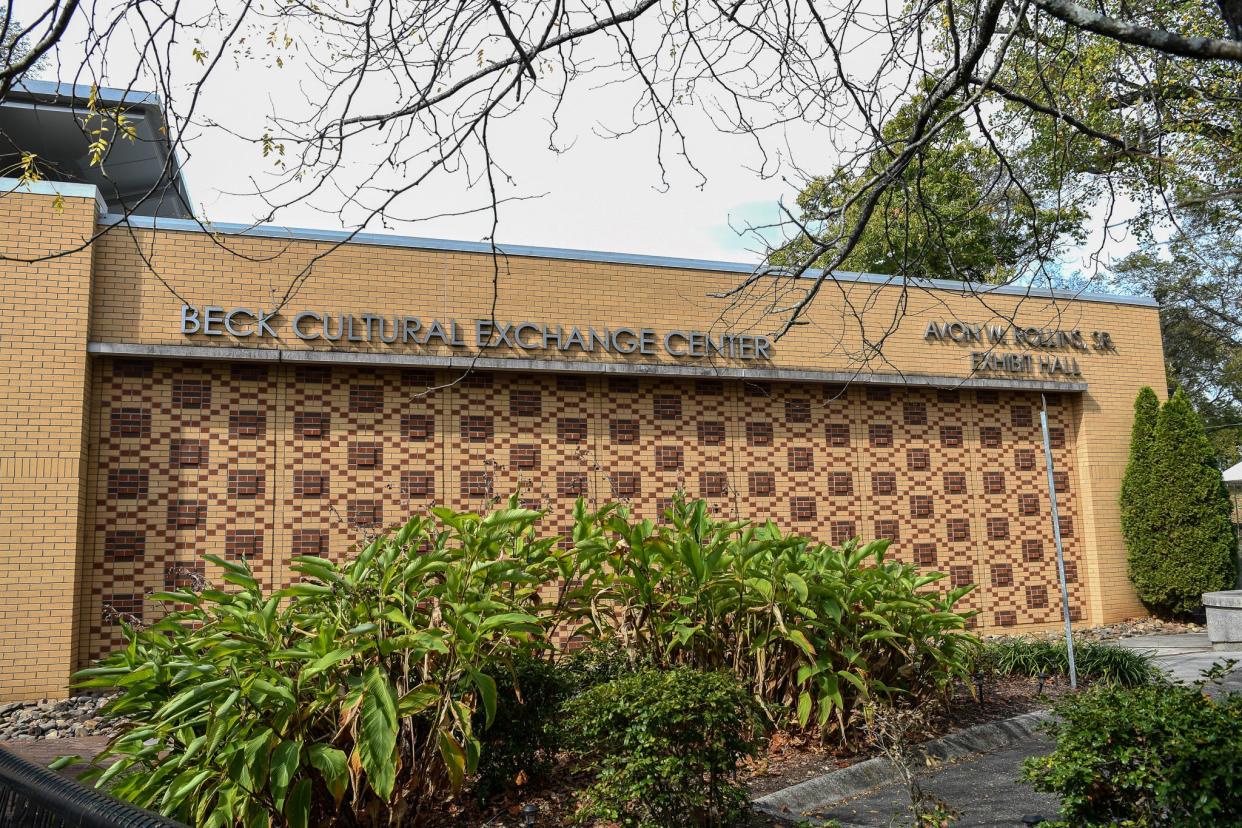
(825, 791)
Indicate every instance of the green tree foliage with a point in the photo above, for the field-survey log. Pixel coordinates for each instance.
(1143, 542)
(1160, 130)
(1185, 543)
(1197, 279)
(956, 212)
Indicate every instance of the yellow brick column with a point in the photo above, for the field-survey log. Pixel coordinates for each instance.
(44, 383)
(1106, 416)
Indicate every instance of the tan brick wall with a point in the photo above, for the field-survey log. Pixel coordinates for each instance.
(133, 305)
(44, 374)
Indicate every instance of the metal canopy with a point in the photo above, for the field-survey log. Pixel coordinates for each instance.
(140, 176)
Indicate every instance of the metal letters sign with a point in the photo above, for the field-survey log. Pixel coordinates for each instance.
(1059, 347)
(371, 328)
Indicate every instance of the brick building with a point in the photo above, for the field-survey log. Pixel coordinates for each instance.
(168, 394)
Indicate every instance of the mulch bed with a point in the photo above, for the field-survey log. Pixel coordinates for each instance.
(788, 760)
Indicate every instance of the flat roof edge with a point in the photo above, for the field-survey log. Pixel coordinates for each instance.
(65, 189)
(635, 369)
(602, 257)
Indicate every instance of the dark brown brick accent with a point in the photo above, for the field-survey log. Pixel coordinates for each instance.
(571, 429)
(524, 457)
(418, 428)
(797, 411)
(187, 454)
(130, 422)
(666, 407)
(713, 484)
(366, 399)
(312, 542)
(711, 432)
(366, 455)
(841, 483)
(571, 484)
(803, 508)
(623, 432)
(310, 483)
(762, 484)
(191, 393)
(476, 484)
(124, 545)
(669, 458)
(525, 403)
(884, 483)
(958, 529)
(626, 484)
(365, 513)
(311, 425)
(758, 433)
(951, 436)
(247, 483)
(418, 484)
(801, 458)
(477, 428)
(243, 543)
(127, 484)
(248, 424)
(186, 514)
(955, 483)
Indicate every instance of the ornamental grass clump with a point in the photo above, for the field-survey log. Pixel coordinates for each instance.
(1096, 662)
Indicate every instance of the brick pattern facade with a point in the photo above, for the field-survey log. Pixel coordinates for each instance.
(116, 475)
(273, 463)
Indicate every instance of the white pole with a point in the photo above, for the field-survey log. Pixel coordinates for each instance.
(1056, 535)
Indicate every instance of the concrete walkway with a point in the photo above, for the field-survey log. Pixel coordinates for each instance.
(985, 789)
(1185, 656)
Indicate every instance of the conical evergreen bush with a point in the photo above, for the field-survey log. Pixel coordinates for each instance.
(1180, 512)
(1143, 547)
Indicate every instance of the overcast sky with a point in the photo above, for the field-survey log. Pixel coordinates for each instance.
(595, 193)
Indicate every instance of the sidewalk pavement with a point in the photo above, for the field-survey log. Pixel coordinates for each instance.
(1185, 656)
(985, 788)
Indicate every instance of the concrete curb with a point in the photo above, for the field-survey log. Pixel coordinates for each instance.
(824, 791)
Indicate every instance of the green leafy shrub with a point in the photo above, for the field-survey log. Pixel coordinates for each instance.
(1175, 510)
(665, 745)
(520, 745)
(1147, 756)
(365, 692)
(1095, 661)
(809, 628)
(347, 698)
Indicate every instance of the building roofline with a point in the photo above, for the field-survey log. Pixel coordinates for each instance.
(105, 94)
(64, 189)
(571, 254)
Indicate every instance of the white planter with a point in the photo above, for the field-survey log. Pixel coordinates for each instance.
(1224, 619)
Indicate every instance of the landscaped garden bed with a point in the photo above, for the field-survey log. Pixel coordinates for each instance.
(417, 684)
